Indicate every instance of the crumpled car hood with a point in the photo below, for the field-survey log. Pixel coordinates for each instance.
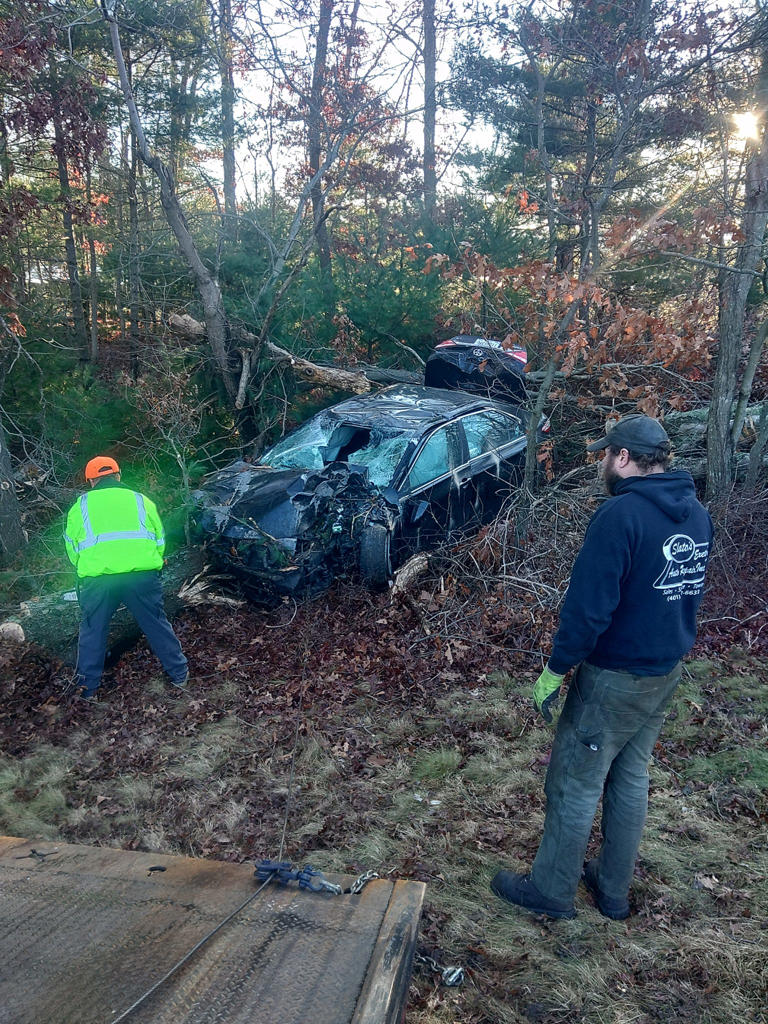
(242, 496)
(285, 531)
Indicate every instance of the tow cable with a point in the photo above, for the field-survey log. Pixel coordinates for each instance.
(187, 956)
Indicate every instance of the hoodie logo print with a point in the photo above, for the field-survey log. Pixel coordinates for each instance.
(683, 575)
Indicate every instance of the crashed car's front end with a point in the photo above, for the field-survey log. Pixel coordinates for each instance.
(288, 524)
(286, 531)
(360, 486)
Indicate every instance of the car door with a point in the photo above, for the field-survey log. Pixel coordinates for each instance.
(430, 491)
(495, 445)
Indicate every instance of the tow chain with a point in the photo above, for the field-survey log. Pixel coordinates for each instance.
(361, 881)
(450, 976)
(309, 878)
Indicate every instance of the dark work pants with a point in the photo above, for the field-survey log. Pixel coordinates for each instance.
(604, 741)
(140, 592)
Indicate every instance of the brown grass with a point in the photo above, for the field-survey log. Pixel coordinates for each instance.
(451, 810)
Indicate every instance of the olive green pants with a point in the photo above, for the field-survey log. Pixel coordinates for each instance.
(604, 741)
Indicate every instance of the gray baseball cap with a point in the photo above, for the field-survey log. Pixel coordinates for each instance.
(636, 433)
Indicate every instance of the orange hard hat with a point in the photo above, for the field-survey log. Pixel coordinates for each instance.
(102, 465)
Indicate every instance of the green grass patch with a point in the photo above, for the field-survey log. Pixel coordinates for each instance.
(33, 801)
(435, 765)
(744, 764)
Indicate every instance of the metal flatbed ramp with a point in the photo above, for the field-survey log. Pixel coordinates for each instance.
(86, 931)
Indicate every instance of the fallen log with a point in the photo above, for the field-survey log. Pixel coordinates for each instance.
(697, 467)
(692, 418)
(11, 633)
(326, 376)
(382, 375)
(53, 620)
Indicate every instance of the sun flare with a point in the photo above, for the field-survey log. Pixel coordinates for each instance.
(747, 125)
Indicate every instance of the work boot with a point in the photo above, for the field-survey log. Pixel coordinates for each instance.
(520, 890)
(89, 696)
(609, 906)
(180, 684)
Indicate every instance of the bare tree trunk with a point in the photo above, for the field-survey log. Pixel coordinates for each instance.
(120, 217)
(133, 259)
(747, 380)
(73, 274)
(756, 455)
(176, 117)
(217, 325)
(14, 256)
(734, 289)
(430, 113)
(590, 241)
(314, 127)
(227, 116)
(537, 111)
(93, 280)
(12, 535)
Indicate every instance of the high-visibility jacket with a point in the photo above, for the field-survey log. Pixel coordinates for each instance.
(113, 529)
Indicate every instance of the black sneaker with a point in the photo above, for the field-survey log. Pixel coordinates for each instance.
(520, 890)
(609, 906)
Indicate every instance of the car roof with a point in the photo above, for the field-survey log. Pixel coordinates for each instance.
(411, 406)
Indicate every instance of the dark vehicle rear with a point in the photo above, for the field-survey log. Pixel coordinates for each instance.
(480, 366)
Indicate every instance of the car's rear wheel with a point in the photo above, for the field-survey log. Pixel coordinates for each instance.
(376, 556)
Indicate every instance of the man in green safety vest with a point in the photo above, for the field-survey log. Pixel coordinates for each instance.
(115, 540)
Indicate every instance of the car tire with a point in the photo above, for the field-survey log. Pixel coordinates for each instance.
(376, 556)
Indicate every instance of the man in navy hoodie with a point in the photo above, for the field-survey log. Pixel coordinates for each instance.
(628, 618)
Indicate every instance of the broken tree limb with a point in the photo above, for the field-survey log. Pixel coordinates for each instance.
(12, 633)
(382, 375)
(405, 578)
(316, 373)
(409, 572)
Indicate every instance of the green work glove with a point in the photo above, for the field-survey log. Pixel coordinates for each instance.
(546, 693)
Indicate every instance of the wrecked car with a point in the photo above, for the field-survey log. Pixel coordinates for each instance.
(362, 485)
(482, 366)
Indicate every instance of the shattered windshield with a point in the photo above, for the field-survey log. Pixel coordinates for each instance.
(381, 458)
(303, 448)
(325, 440)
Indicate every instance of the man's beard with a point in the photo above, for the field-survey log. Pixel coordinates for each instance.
(611, 478)
(609, 475)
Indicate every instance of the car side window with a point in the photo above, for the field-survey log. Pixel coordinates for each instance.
(486, 431)
(435, 459)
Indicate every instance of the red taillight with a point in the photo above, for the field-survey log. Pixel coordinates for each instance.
(446, 344)
(545, 426)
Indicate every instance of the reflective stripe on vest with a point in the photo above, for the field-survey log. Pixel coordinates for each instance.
(142, 533)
